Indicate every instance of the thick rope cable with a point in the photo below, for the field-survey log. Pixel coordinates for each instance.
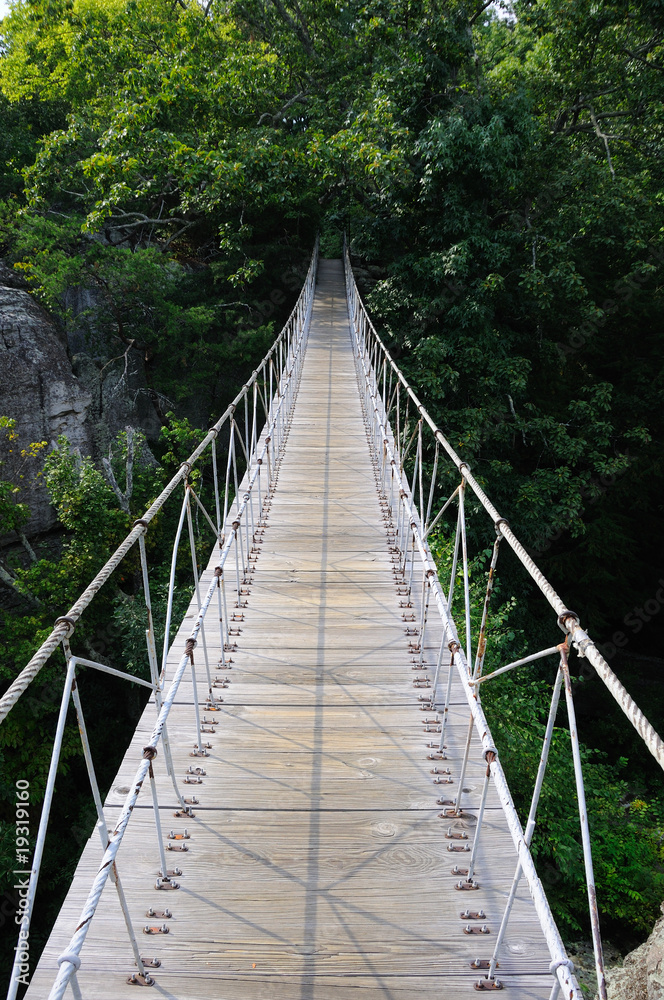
(65, 624)
(568, 621)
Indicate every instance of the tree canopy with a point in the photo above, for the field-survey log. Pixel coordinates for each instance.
(500, 177)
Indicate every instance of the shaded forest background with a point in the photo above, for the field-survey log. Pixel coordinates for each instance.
(500, 179)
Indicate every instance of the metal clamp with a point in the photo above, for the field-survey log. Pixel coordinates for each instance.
(70, 622)
(562, 620)
(72, 958)
(135, 979)
(166, 883)
(487, 984)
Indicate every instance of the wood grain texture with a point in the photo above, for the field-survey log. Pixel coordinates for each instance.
(317, 862)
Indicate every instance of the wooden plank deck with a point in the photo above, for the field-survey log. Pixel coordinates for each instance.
(317, 863)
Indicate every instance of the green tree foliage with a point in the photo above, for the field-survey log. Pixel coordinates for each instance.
(95, 509)
(626, 814)
(522, 252)
(501, 180)
(625, 830)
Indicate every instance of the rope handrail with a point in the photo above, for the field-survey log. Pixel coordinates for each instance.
(384, 441)
(567, 619)
(65, 623)
(253, 485)
(386, 393)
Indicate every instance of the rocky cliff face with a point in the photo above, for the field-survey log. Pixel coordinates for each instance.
(641, 976)
(89, 399)
(37, 386)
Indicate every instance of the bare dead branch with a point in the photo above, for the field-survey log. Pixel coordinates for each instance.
(132, 343)
(27, 546)
(10, 581)
(479, 12)
(143, 220)
(122, 498)
(276, 118)
(605, 139)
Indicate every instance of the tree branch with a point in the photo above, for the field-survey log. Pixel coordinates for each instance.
(601, 135)
(122, 498)
(143, 220)
(132, 343)
(645, 62)
(275, 119)
(299, 29)
(27, 546)
(479, 12)
(11, 582)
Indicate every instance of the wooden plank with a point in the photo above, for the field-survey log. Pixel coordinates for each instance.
(318, 860)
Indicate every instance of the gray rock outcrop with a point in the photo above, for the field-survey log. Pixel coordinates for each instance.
(118, 397)
(37, 387)
(641, 976)
(89, 398)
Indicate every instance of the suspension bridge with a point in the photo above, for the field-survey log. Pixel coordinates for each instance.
(312, 803)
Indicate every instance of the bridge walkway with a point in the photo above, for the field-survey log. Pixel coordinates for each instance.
(317, 861)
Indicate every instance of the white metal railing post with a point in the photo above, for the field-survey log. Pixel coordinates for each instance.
(585, 831)
(35, 868)
(171, 588)
(532, 813)
(466, 572)
(197, 589)
(101, 824)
